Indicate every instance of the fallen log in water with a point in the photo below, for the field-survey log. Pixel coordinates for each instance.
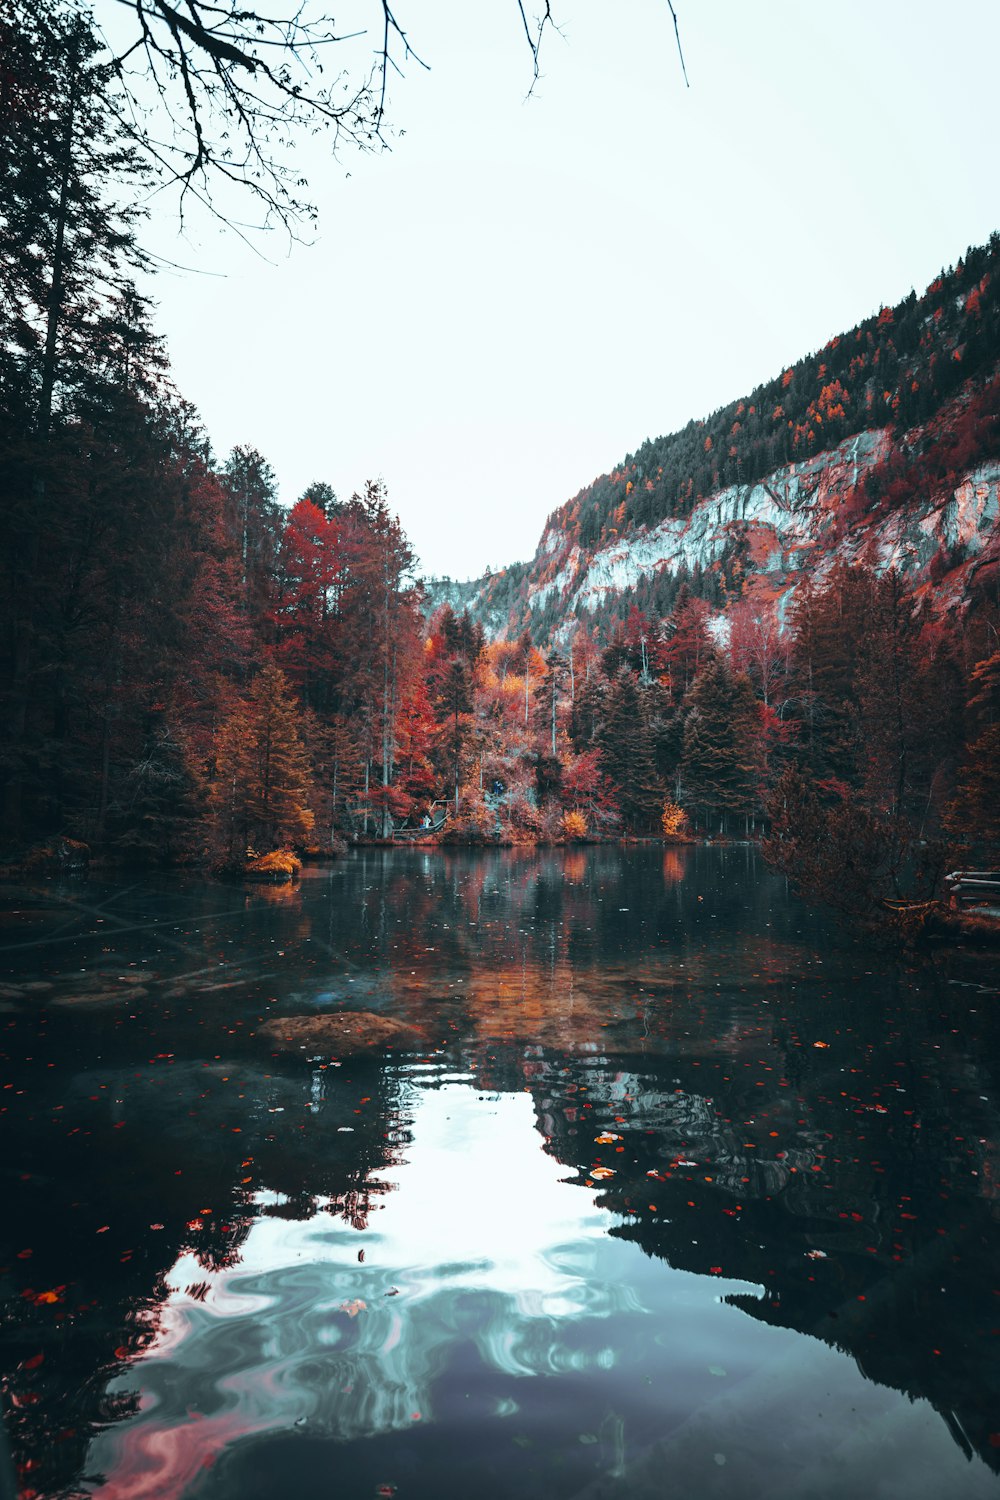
(971, 886)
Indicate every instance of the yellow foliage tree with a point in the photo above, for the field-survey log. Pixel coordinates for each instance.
(261, 790)
(673, 820)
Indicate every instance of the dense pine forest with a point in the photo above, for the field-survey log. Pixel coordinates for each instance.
(192, 673)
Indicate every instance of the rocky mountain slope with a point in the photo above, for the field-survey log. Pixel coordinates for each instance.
(883, 447)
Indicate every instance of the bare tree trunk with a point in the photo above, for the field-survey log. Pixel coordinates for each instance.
(106, 718)
(386, 744)
(55, 307)
(457, 757)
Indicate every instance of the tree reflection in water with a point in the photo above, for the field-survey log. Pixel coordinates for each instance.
(217, 1265)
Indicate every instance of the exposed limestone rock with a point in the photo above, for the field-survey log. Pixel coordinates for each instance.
(790, 523)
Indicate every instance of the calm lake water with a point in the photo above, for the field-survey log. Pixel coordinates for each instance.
(685, 1193)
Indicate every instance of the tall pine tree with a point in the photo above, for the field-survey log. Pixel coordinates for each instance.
(720, 764)
(628, 754)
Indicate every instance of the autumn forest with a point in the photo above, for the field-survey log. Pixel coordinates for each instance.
(192, 673)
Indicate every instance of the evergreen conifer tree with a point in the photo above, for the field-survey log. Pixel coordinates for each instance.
(974, 814)
(829, 624)
(720, 764)
(454, 707)
(67, 249)
(628, 754)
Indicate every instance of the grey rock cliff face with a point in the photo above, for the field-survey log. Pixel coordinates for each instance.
(789, 524)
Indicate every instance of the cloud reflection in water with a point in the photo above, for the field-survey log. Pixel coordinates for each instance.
(485, 1246)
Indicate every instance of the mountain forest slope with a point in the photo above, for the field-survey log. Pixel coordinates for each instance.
(879, 447)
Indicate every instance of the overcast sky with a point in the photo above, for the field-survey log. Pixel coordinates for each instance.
(521, 292)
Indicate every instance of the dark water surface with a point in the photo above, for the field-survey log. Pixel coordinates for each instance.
(685, 1194)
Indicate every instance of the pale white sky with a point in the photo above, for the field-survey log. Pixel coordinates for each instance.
(521, 292)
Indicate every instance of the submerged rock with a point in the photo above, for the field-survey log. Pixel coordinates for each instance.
(345, 1033)
(94, 999)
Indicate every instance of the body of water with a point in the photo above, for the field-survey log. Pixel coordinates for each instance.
(679, 1191)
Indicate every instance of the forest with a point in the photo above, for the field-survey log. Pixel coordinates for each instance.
(192, 673)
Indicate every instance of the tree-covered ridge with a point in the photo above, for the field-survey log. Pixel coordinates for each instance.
(911, 369)
(895, 369)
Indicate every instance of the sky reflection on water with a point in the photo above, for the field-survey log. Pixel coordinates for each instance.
(682, 1183)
